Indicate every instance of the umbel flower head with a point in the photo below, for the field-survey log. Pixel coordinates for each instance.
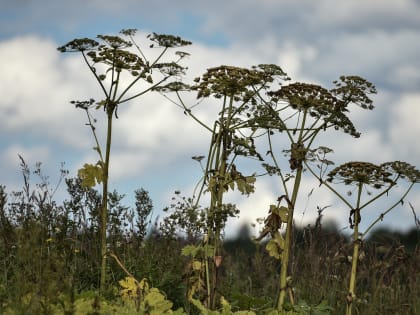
(354, 89)
(229, 81)
(318, 102)
(79, 45)
(168, 41)
(403, 170)
(114, 52)
(330, 105)
(361, 173)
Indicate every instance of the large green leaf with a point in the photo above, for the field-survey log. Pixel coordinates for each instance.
(275, 246)
(91, 174)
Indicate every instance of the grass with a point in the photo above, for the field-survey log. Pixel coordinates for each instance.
(46, 261)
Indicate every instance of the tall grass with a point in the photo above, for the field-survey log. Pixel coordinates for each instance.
(49, 259)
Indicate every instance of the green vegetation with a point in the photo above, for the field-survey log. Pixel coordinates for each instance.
(49, 258)
(94, 255)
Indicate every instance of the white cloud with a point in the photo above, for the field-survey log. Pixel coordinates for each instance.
(371, 146)
(379, 56)
(361, 14)
(37, 89)
(35, 153)
(152, 132)
(404, 128)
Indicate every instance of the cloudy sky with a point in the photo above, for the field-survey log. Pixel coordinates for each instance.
(313, 41)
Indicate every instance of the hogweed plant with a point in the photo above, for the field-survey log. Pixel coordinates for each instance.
(301, 111)
(364, 175)
(232, 137)
(113, 61)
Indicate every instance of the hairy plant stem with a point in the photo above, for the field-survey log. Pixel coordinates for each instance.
(104, 209)
(289, 227)
(356, 246)
(288, 242)
(220, 165)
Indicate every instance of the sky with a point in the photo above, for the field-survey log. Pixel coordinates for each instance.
(313, 41)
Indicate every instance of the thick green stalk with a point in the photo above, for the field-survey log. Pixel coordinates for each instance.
(104, 209)
(214, 164)
(218, 207)
(289, 227)
(356, 246)
(288, 240)
(216, 203)
(206, 262)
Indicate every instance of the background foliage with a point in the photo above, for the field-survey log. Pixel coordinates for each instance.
(49, 265)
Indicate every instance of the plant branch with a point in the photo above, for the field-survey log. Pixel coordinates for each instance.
(119, 101)
(91, 68)
(277, 165)
(379, 195)
(92, 127)
(188, 111)
(323, 182)
(380, 218)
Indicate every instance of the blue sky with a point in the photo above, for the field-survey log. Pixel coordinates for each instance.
(313, 41)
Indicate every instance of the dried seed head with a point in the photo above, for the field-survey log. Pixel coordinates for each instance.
(361, 173)
(354, 89)
(115, 41)
(79, 44)
(403, 169)
(318, 102)
(224, 81)
(129, 32)
(167, 41)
